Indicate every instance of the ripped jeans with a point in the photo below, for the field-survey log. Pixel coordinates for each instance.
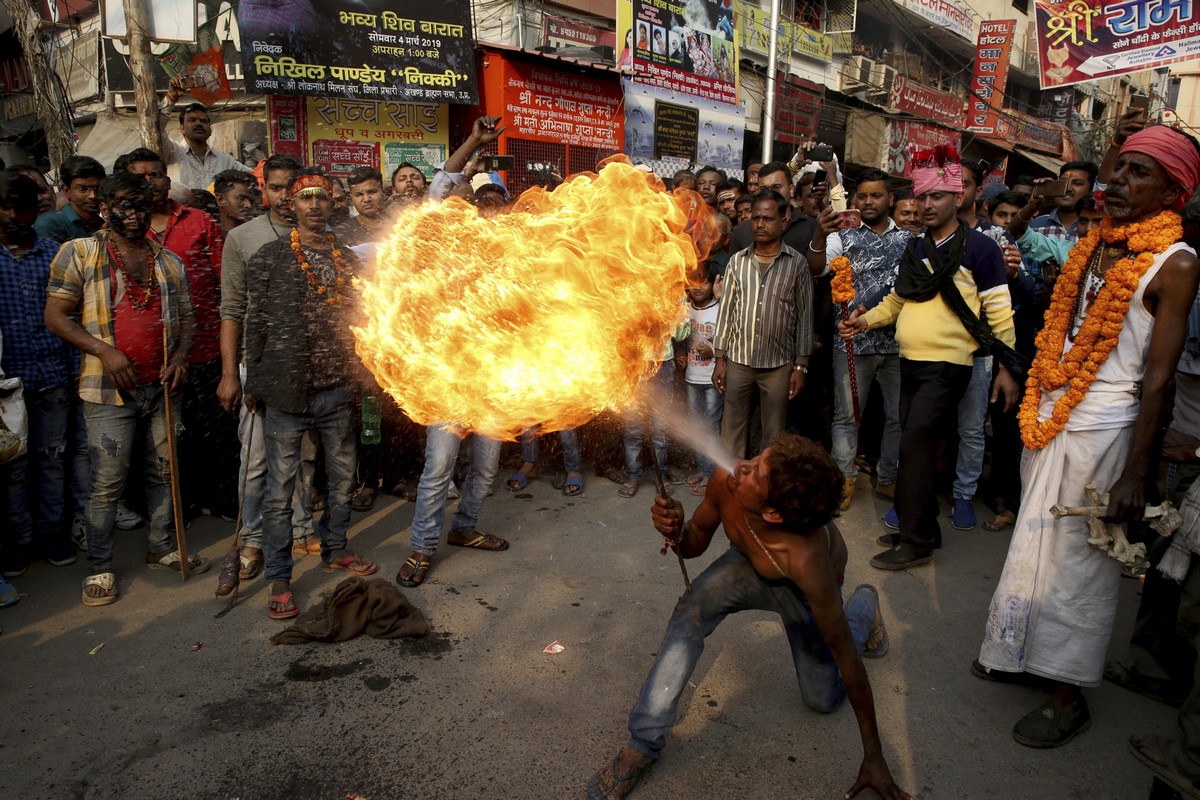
(35, 484)
(112, 432)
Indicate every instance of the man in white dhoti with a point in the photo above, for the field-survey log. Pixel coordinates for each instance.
(1092, 414)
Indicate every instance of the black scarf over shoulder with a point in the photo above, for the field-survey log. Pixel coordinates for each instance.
(915, 282)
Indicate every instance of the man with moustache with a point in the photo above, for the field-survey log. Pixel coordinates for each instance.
(125, 290)
(950, 263)
(408, 186)
(1052, 613)
(301, 364)
(874, 249)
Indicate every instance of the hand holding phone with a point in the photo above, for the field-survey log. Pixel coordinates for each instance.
(1051, 189)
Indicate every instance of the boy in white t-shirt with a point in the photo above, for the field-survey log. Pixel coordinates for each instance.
(704, 400)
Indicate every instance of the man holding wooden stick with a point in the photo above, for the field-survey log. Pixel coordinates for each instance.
(126, 290)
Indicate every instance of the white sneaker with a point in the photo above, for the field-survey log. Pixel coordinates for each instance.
(79, 533)
(127, 520)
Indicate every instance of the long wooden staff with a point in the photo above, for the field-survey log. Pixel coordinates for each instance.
(176, 500)
(648, 449)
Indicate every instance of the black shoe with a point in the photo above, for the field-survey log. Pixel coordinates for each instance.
(902, 556)
(888, 540)
(14, 562)
(1047, 726)
(61, 555)
(1004, 676)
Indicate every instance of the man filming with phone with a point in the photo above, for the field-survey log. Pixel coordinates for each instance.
(874, 244)
(1077, 180)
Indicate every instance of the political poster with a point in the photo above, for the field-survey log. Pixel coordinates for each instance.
(550, 105)
(686, 46)
(397, 50)
(706, 130)
(1086, 40)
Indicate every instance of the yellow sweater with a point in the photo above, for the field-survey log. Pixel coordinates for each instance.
(930, 331)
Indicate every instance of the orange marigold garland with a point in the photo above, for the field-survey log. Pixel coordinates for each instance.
(842, 290)
(332, 292)
(1102, 323)
(843, 283)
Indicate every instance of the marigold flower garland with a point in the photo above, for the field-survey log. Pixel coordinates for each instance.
(332, 292)
(1102, 323)
(842, 290)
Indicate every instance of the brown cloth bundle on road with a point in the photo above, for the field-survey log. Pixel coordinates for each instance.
(375, 607)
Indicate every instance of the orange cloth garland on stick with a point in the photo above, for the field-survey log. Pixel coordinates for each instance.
(1102, 324)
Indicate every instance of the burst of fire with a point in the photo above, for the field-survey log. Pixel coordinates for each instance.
(542, 317)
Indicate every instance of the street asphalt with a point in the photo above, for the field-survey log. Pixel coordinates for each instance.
(117, 702)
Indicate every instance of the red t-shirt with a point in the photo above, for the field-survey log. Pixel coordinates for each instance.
(192, 235)
(138, 333)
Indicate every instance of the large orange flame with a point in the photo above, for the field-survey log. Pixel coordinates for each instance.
(542, 317)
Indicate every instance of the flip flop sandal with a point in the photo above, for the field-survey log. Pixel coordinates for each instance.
(700, 490)
(419, 568)
(628, 489)
(251, 565)
(1001, 522)
(170, 560)
(517, 481)
(354, 564)
(107, 581)
(1118, 673)
(1138, 745)
(364, 498)
(631, 778)
(287, 606)
(573, 487)
(481, 541)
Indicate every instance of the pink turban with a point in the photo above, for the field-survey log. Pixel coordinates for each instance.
(937, 170)
(1174, 151)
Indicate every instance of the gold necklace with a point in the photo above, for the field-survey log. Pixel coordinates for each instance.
(763, 547)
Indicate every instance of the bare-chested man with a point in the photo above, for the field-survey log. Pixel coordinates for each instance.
(786, 556)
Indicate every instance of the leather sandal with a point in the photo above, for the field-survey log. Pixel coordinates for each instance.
(414, 571)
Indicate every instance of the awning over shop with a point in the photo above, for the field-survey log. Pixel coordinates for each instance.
(1048, 163)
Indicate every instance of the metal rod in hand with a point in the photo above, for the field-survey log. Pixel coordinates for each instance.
(648, 449)
(852, 371)
(176, 500)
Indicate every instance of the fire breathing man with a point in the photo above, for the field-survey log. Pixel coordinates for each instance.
(785, 556)
(125, 289)
(300, 363)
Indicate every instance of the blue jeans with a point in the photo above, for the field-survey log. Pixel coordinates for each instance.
(36, 482)
(972, 414)
(706, 404)
(886, 370)
(729, 585)
(112, 432)
(655, 393)
(331, 414)
(441, 450)
(254, 463)
(570, 447)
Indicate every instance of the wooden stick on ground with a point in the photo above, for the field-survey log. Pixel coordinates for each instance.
(176, 500)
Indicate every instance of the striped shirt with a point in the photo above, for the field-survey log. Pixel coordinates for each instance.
(766, 315)
(83, 273)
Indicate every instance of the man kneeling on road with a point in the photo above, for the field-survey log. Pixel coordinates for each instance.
(786, 556)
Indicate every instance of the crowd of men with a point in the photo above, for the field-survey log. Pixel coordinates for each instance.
(887, 335)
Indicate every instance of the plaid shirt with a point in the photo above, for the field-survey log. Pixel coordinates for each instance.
(1049, 225)
(32, 353)
(83, 273)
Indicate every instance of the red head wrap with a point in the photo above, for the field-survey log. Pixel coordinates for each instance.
(1174, 151)
(311, 183)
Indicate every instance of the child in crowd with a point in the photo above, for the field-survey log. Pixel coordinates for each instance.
(703, 398)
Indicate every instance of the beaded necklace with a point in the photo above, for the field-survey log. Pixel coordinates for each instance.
(131, 285)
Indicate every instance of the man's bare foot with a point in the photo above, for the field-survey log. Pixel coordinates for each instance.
(618, 779)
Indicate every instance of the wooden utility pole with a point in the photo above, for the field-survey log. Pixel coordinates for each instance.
(141, 64)
(52, 109)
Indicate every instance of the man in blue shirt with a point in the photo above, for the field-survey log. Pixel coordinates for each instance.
(80, 217)
(1081, 182)
(35, 483)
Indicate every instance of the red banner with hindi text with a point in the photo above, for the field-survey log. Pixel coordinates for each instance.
(991, 75)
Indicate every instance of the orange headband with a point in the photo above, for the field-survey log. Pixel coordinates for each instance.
(317, 184)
